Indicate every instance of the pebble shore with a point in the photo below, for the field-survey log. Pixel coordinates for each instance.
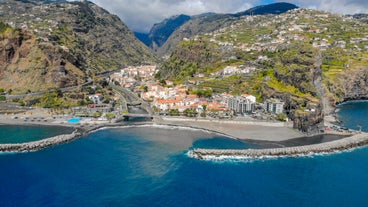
(347, 143)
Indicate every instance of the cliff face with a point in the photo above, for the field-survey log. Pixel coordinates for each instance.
(59, 44)
(160, 32)
(355, 84)
(25, 64)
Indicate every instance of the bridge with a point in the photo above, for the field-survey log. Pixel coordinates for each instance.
(130, 99)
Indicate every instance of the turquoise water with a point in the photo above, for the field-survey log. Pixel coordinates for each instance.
(148, 166)
(354, 114)
(74, 120)
(19, 133)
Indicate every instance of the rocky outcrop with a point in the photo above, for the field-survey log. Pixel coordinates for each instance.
(355, 84)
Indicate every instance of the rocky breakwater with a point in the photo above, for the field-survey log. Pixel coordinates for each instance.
(40, 144)
(327, 147)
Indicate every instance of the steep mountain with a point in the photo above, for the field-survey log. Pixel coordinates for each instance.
(309, 59)
(197, 25)
(59, 44)
(210, 22)
(160, 32)
(143, 37)
(361, 17)
(275, 8)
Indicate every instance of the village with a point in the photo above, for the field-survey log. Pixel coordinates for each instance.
(168, 99)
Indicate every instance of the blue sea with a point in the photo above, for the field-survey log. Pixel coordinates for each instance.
(354, 114)
(10, 134)
(149, 166)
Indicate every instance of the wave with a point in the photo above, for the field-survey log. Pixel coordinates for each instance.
(158, 126)
(249, 159)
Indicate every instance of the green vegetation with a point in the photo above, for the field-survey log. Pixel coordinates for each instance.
(97, 114)
(110, 116)
(174, 112)
(207, 93)
(51, 100)
(297, 57)
(190, 112)
(3, 27)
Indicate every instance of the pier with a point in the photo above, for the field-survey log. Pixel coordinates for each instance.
(327, 147)
(40, 144)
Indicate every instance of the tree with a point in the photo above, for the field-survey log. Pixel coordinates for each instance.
(281, 117)
(174, 112)
(110, 116)
(51, 100)
(190, 112)
(204, 106)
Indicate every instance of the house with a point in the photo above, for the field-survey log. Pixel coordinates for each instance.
(96, 98)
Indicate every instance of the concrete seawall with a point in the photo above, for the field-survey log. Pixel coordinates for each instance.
(250, 123)
(327, 147)
(40, 144)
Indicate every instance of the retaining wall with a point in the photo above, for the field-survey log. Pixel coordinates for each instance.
(257, 123)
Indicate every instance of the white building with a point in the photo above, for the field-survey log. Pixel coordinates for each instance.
(242, 104)
(274, 106)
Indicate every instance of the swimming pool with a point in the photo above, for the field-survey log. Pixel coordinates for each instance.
(74, 120)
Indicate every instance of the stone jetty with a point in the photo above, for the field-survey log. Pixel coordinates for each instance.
(327, 147)
(40, 144)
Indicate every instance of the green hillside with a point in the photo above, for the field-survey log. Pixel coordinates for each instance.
(302, 57)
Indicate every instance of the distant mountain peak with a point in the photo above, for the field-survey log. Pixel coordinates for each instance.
(162, 32)
(275, 8)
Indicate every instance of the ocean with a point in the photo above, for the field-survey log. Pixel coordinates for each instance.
(149, 166)
(10, 134)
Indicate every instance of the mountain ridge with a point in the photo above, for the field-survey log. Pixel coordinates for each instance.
(157, 38)
(299, 57)
(79, 37)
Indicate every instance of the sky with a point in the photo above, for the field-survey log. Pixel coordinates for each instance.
(140, 15)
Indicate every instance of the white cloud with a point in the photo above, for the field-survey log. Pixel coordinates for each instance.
(334, 6)
(140, 15)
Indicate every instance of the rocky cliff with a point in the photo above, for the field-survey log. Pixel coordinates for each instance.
(57, 44)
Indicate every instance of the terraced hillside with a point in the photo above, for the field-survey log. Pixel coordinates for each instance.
(310, 59)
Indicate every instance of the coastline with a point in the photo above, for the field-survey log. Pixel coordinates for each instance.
(243, 130)
(344, 144)
(249, 130)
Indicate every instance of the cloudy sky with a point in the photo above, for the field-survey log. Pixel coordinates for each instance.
(140, 15)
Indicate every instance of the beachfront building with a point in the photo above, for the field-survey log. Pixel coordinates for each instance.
(91, 109)
(274, 106)
(242, 104)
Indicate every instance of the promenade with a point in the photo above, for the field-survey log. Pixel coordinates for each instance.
(245, 130)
